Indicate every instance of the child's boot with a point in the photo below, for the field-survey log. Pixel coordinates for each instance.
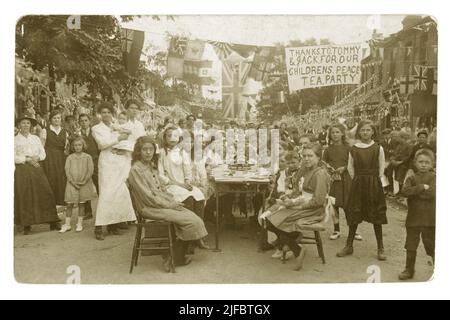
(347, 251)
(408, 273)
(66, 227)
(381, 256)
(79, 224)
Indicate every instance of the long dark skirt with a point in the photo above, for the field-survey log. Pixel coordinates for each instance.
(33, 198)
(54, 169)
(366, 201)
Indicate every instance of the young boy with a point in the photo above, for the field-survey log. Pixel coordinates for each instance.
(420, 189)
(422, 143)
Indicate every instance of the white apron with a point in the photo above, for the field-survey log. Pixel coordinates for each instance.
(114, 202)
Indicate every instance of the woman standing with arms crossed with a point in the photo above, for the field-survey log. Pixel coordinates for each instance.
(55, 140)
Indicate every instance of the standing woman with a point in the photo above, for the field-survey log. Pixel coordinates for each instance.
(34, 202)
(114, 203)
(367, 201)
(55, 139)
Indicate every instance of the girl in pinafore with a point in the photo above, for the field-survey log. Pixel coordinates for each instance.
(366, 201)
(336, 155)
(80, 188)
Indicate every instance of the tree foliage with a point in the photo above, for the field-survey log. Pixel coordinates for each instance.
(90, 55)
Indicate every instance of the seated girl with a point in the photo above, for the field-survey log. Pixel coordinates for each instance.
(175, 170)
(154, 202)
(297, 209)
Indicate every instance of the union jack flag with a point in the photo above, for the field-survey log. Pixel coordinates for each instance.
(234, 76)
(432, 80)
(420, 77)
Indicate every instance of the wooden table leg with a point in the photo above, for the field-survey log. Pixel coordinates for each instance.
(217, 223)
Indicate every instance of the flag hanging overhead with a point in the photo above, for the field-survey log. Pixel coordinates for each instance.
(420, 78)
(194, 50)
(224, 49)
(432, 80)
(177, 47)
(175, 58)
(263, 63)
(132, 44)
(423, 104)
(198, 72)
(407, 84)
(234, 76)
(435, 85)
(185, 61)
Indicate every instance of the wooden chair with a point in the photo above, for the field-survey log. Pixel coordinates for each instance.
(317, 228)
(152, 238)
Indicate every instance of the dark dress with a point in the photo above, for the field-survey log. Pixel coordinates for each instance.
(33, 197)
(54, 163)
(366, 201)
(337, 156)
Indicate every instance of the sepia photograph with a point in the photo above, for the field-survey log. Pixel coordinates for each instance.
(225, 149)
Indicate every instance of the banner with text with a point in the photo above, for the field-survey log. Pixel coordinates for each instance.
(321, 66)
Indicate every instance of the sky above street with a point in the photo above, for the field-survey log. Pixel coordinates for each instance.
(267, 30)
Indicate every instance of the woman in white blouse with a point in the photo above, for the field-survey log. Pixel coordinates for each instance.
(34, 202)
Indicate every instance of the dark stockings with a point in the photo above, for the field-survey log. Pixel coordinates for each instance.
(286, 238)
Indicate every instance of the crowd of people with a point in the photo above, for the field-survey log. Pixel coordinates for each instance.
(71, 160)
